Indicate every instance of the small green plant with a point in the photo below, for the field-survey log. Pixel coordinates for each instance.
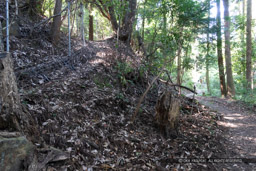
(123, 69)
(102, 82)
(120, 96)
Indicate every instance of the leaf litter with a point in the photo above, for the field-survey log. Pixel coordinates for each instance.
(79, 105)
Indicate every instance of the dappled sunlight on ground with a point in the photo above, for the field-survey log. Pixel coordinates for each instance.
(234, 117)
(240, 123)
(228, 125)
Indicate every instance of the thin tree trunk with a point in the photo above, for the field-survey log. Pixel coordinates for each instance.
(77, 24)
(179, 69)
(230, 81)
(55, 29)
(208, 49)
(73, 18)
(249, 45)
(90, 24)
(179, 76)
(143, 21)
(82, 23)
(243, 63)
(219, 51)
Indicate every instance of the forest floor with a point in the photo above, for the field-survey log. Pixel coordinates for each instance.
(240, 121)
(83, 105)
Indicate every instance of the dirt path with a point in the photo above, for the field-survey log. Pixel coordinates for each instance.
(241, 129)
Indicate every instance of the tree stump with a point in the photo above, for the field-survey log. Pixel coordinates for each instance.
(167, 113)
(9, 97)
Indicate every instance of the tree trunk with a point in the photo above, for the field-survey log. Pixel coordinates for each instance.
(167, 113)
(90, 25)
(82, 23)
(243, 58)
(10, 107)
(107, 9)
(55, 28)
(208, 49)
(72, 19)
(249, 45)
(35, 7)
(230, 81)
(143, 21)
(179, 69)
(127, 25)
(219, 51)
(179, 65)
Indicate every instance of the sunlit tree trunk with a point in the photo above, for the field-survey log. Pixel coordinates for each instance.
(55, 28)
(249, 45)
(143, 20)
(179, 69)
(219, 51)
(230, 81)
(243, 58)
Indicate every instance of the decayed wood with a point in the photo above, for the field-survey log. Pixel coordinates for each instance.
(9, 98)
(167, 112)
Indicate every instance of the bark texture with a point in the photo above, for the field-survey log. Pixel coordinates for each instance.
(249, 45)
(9, 97)
(55, 28)
(219, 51)
(230, 81)
(167, 112)
(207, 74)
(90, 25)
(107, 9)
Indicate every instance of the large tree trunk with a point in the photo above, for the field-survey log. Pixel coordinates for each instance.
(127, 25)
(107, 9)
(55, 29)
(9, 97)
(230, 81)
(249, 45)
(219, 51)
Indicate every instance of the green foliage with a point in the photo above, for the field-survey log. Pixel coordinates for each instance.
(123, 69)
(102, 81)
(242, 93)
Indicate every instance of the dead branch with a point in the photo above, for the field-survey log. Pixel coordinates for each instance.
(189, 89)
(48, 19)
(143, 96)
